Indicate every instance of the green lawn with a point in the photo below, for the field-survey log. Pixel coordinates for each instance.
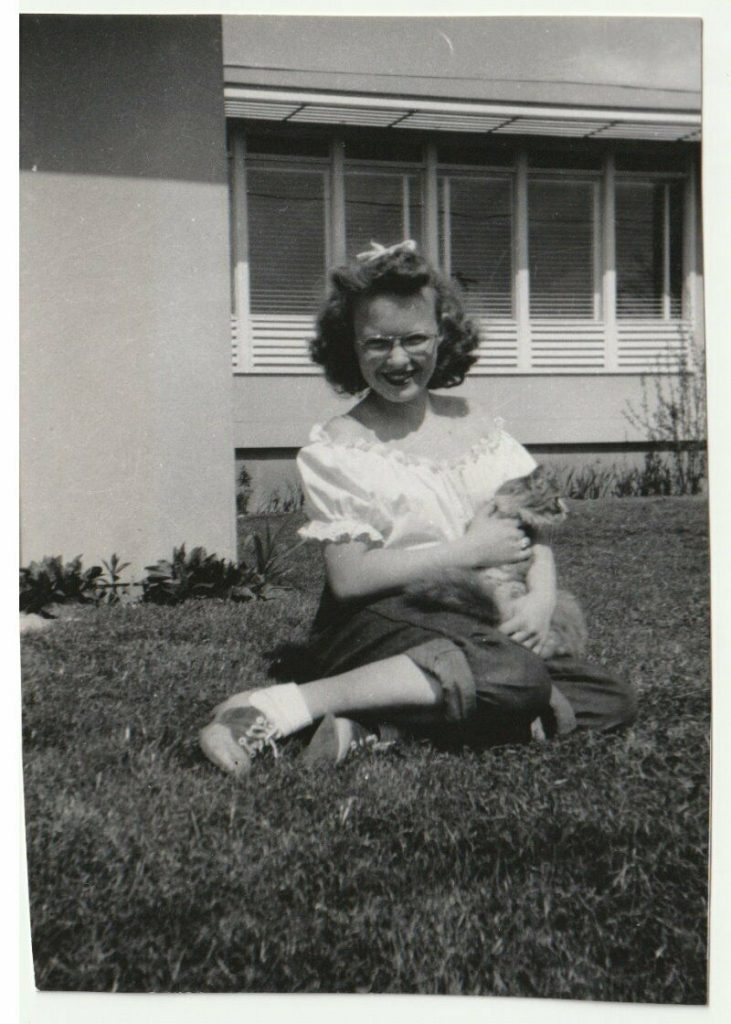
(571, 870)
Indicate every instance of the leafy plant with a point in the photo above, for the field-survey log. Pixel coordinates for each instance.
(266, 574)
(111, 586)
(169, 581)
(50, 582)
(243, 491)
(656, 477)
(197, 574)
(588, 481)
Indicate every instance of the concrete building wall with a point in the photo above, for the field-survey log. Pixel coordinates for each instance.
(278, 412)
(571, 420)
(125, 353)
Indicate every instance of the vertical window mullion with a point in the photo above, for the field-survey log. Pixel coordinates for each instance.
(597, 235)
(241, 279)
(446, 227)
(405, 206)
(522, 276)
(666, 252)
(327, 211)
(609, 248)
(431, 204)
(689, 244)
(337, 248)
(689, 294)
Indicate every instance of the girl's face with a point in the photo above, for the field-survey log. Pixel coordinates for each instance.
(396, 341)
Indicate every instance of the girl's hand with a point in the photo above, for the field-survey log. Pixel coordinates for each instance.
(492, 541)
(530, 621)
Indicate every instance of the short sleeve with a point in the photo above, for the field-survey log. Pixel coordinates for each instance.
(339, 503)
(515, 460)
(501, 458)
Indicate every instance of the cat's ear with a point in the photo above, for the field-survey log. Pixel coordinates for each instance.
(544, 478)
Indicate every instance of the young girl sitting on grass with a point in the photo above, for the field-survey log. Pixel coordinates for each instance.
(393, 490)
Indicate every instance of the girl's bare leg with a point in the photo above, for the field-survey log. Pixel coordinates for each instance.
(392, 683)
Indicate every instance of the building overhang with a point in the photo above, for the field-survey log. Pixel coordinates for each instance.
(302, 106)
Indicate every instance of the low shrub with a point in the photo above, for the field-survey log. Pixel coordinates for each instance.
(656, 477)
(672, 411)
(266, 574)
(50, 582)
(260, 575)
(197, 574)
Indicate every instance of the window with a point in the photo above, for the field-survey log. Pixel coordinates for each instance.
(381, 206)
(476, 241)
(649, 224)
(533, 249)
(287, 252)
(561, 232)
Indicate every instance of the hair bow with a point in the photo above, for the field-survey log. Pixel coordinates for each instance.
(377, 250)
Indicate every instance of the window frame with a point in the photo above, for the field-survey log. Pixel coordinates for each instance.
(603, 343)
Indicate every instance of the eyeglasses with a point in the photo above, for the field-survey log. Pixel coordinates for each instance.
(383, 345)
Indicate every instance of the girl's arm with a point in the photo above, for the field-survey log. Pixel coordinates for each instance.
(356, 571)
(541, 578)
(531, 619)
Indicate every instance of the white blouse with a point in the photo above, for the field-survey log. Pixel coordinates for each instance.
(365, 490)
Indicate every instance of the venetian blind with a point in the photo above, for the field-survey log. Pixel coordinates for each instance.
(286, 240)
(384, 207)
(561, 248)
(476, 241)
(649, 249)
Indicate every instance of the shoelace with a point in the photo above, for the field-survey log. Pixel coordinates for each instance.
(371, 743)
(259, 736)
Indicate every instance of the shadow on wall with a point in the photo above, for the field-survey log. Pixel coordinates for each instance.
(128, 77)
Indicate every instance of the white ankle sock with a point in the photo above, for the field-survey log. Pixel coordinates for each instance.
(284, 706)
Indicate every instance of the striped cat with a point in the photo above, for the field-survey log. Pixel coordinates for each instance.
(489, 594)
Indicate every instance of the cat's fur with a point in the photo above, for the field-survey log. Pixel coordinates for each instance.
(489, 594)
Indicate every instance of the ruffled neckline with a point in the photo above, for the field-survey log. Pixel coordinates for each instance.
(488, 442)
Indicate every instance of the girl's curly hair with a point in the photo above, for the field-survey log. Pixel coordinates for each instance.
(397, 271)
